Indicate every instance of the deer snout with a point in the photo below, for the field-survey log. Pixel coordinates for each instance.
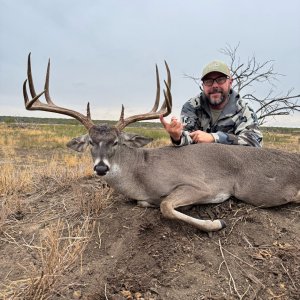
(101, 168)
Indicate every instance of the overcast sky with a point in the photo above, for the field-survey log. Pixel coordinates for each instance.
(105, 52)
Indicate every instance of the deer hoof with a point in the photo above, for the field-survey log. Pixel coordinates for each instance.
(223, 224)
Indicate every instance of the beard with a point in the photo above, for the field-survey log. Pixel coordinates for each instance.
(217, 97)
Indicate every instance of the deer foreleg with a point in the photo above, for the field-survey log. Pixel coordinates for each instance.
(188, 195)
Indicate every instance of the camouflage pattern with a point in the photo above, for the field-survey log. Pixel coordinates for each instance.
(236, 125)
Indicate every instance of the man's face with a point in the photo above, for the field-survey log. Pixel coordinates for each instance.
(218, 91)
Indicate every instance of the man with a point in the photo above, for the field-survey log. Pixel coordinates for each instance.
(217, 115)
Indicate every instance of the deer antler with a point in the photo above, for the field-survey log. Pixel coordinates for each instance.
(153, 114)
(36, 104)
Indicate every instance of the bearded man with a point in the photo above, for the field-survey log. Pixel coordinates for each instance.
(217, 115)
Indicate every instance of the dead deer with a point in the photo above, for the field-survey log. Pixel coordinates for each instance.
(172, 177)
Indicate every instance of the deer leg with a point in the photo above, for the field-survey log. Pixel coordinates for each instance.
(188, 195)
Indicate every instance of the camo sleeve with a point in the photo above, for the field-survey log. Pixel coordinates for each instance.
(246, 131)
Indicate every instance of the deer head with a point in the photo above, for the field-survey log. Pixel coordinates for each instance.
(103, 140)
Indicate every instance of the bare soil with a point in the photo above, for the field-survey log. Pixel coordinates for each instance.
(134, 253)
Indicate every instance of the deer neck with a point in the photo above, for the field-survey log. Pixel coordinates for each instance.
(124, 162)
(124, 169)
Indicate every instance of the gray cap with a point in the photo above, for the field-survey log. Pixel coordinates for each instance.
(216, 66)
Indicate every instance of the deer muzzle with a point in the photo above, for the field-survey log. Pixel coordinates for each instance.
(101, 168)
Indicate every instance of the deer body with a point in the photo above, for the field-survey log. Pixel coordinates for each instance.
(261, 177)
(172, 177)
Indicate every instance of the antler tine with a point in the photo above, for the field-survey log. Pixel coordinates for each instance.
(29, 76)
(168, 101)
(153, 114)
(168, 96)
(168, 75)
(29, 103)
(88, 112)
(36, 104)
(157, 98)
(122, 114)
(47, 93)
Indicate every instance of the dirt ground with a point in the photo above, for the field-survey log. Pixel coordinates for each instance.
(134, 253)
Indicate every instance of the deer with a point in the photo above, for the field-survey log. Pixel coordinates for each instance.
(173, 177)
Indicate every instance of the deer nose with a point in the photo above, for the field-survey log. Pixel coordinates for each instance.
(101, 169)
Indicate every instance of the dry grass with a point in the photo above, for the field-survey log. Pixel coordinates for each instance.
(282, 141)
(14, 180)
(48, 168)
(11, 208)
(161, 142)
(92, 200)
(20, 180)
(23, 177)
(60, 246)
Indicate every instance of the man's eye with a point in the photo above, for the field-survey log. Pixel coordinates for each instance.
(91, 143)
(115, 143)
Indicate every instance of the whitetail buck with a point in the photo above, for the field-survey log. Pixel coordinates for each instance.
(172, 177)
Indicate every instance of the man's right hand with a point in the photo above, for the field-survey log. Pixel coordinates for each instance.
(174, 128)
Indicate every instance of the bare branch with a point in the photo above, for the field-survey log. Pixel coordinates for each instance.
(252, 73)
(195, 79)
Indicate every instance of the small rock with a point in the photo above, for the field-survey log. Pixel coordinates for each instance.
(138, 295)
(77, 294)
(126, 294)
(202, 267)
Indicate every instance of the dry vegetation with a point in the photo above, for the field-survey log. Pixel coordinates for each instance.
(35, 165)
(284, 141)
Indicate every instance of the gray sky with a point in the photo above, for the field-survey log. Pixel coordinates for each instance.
(105, 52)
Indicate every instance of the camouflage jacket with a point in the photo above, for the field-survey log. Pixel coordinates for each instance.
(236, 125)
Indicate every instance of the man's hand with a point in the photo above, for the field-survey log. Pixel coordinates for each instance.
(174, 128)
(200, 136)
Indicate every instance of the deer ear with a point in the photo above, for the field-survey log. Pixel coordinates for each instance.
(79, 143)
(134, 140)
